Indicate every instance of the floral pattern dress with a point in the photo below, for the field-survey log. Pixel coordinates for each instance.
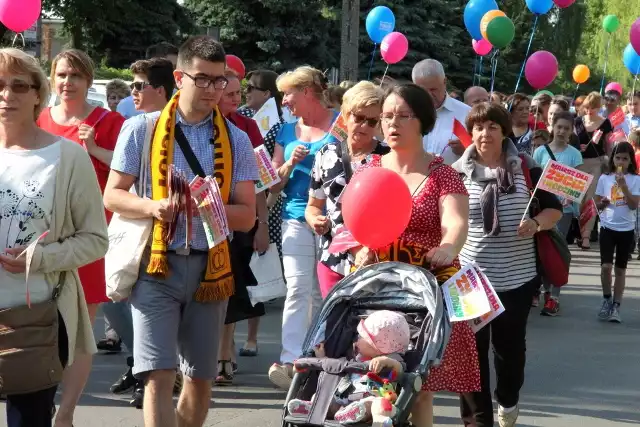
(328, 181)
(459, 371)
(275, 212)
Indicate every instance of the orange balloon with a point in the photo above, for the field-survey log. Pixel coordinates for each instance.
(581, 74)
(487, 18)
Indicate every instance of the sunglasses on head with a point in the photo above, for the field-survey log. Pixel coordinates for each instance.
(17, 86)
(371, 122)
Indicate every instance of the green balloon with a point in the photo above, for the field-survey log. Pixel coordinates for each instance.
(500, 32)
(547, 92)
(610, 23)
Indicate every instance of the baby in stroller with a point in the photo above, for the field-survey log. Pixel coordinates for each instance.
(383, 337)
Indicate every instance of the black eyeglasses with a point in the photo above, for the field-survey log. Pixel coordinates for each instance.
(139, 86)
(219, 82)
(371, 122)
(17, 86)
(251, 87)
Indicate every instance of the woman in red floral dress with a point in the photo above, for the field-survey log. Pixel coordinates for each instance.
(435, 234)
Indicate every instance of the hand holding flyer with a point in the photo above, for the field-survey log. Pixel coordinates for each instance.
(464, 295)
(268, 174)
(206, 193)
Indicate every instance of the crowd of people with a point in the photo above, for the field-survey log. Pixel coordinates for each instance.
(178, 323)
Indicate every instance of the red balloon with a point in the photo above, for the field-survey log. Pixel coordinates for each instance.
(236, 65)
(376, 207)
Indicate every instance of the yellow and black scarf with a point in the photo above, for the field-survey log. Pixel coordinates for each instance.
(414, 254)
(217, 284)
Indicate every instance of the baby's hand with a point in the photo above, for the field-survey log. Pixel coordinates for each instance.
(319, 350)
(378, 364)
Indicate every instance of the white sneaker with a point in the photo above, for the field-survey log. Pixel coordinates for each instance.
(507, 419)
(281, 375)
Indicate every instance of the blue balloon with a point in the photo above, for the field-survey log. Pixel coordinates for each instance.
(631, 59)
(540, 7)
(380, 22)
(473, 13)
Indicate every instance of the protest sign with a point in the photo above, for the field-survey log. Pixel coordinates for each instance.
(339, 129)
(616, 136)
(564, 181)
(617, 117)
(267, 116)
(268, 174)
(494, 301)
(464, 295)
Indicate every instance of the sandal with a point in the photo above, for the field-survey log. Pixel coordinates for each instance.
(225, 373)
(583, 246)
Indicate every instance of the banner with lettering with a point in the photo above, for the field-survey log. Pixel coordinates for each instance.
(339, 129)
(494, 301)
(464, 295)
(268, 174)
(565, 181)
(267, 116)
(617, 117)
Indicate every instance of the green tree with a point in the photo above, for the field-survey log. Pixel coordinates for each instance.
(276, 34)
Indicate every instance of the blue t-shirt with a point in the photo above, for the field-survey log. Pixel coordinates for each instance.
(127, 108)
(570, 156)
(296, 191)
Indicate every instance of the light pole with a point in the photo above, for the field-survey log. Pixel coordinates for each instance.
(350, 36)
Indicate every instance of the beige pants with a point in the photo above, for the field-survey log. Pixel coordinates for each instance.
(592, 167)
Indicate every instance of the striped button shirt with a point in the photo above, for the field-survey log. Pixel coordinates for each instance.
(508, 261)
(126, 159)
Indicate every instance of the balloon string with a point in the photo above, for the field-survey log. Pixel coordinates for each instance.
(475, 70)
(373, 56)
(480, 71)
(575, 94)
(533, 31)
(635, 79)
(384, 75)
(13, 44)
(606, 56)
(494, 68)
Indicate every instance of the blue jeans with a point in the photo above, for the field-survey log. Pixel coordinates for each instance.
(118, 315)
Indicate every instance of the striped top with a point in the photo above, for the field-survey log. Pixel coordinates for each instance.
(508, 261)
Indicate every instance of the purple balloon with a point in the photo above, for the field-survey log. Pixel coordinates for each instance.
(481, 47)
(541, 69)
(634, 36)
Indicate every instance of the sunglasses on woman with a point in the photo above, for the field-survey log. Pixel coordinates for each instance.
(17, 86)
(359, 119)
(251, 88)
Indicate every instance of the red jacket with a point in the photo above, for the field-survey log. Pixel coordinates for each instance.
(249, 126)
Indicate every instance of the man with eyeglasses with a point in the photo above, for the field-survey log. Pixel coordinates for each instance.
(126, 107)
(179, 301)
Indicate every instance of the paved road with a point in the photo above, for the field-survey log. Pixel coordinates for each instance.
(580, 372)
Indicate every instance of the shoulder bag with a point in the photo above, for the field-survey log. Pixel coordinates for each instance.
(552, 251)
(128, 237)
(29, 346)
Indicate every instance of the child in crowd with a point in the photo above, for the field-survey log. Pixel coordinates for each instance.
(616, 197)
(382, 338)
(540, 137)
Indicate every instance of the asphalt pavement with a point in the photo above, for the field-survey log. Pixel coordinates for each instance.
(580, 372)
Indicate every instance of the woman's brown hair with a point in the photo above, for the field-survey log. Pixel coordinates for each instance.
(488, 112)
(78, 60)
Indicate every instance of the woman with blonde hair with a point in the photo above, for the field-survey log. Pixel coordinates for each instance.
(47, 184)
(96, 130)
(305, 90)
(333, 167)
(117, 90)
(593, 131)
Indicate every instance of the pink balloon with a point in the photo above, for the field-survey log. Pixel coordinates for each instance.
(614, 86)
(481, 47)
(564, 3)
(634, 36)
(20, 15)
(541, 69)
(394, 47)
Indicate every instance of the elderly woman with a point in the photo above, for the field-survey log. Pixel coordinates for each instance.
(47, 184)
(117, 90)
(521, 130)
(242, 247)
(436, 231)
(332, 170)
(594, 149)
(96, 129)
(296, 146)
(503, 246)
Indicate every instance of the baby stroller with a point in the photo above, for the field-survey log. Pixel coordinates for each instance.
(394, 286)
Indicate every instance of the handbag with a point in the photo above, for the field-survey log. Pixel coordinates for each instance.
(128, 237)
(268, 273)
(29, 350)
(552, 251)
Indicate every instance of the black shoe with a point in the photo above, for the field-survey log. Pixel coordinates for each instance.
(138, 396)
(110, 346)
(126, 383)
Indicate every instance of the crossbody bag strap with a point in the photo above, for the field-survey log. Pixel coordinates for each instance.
(550, 152)
(191, 158)
(346, 161)
(145, 158)
(427, 175)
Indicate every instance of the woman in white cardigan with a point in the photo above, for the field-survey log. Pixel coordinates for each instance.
(46, 184)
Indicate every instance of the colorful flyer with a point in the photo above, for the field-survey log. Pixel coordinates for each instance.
(464, 295)
(616, 118)
(339, 129)
(565, 181)
(268, 174)
(267, 116)
(494, 301)
(206, 194)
